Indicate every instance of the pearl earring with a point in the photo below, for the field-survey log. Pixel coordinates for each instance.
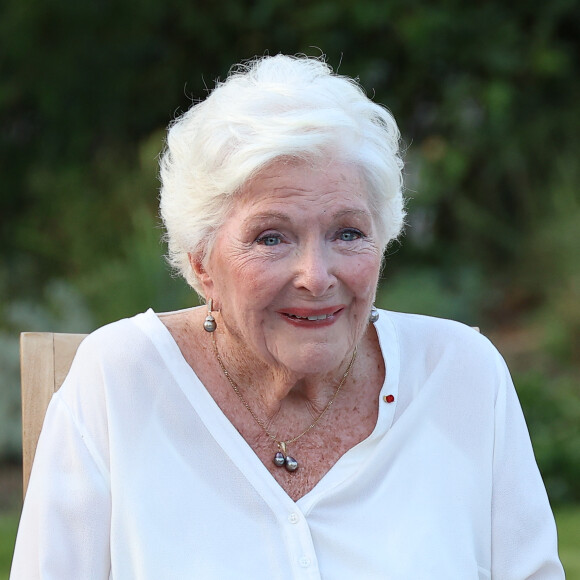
(209, 324)
(374, 316)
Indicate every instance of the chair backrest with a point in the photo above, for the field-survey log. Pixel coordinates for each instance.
(45, 359)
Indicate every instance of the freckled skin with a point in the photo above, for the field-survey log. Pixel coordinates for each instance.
(299, 240)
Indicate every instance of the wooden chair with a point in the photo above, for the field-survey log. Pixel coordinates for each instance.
(45, 359)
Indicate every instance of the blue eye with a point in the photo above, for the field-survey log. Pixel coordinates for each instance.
(349, 235)
(269, 240)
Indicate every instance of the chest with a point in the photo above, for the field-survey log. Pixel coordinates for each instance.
(317, 451)
(350, 420)
(416, 524)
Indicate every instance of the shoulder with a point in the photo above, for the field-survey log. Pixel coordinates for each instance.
(437, 341)
(111, 354)
(430, 328)
(113, 366)
(424, 322)
(120, 341)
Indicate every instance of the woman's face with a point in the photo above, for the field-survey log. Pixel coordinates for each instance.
(295, 266)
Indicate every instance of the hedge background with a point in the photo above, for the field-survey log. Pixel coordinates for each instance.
(487, 96)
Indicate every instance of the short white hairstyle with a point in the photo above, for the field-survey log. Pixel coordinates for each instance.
(271, 108)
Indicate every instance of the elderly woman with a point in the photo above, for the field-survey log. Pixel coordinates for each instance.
(288, 429)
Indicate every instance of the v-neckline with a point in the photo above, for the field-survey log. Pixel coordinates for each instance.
(232, 442)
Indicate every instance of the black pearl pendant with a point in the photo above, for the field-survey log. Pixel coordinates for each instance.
(282, 459)
(209, 324)
(279, 459)
(290, 463)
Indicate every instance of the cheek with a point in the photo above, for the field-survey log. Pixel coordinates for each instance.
(249, 279)
(363, 276)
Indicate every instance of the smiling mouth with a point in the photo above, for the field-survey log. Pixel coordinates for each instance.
(305, 317)
(318, 317)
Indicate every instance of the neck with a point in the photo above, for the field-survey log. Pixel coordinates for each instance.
(271, 391)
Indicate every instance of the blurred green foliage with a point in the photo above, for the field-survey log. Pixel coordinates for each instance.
(487, 95)
(568, 521)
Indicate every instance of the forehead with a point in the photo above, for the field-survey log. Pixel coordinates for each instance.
(282, 184)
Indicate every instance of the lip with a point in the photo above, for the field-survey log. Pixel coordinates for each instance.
(311, 317)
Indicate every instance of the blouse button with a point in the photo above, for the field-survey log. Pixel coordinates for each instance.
(304, 562)
(293, 518)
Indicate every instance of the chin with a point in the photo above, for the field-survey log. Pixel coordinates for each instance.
(315, 358)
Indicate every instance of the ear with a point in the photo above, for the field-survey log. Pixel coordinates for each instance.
(203, 276)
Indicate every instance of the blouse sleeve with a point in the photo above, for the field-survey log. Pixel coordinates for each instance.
(524, 544)
(65, 523)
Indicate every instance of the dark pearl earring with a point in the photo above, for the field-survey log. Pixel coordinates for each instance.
(209, 324)
(374, 316)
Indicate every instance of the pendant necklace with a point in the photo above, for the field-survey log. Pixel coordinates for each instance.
(282, 459)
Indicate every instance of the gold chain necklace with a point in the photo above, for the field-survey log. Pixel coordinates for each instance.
(282, 458)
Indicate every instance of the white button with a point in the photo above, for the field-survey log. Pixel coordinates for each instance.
(304, 562)
(293, 518)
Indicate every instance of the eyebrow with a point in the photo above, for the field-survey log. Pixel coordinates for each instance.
(266, 216)
(355, 212)
(285, 218)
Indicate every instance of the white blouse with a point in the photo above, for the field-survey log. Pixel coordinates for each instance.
(139, 475)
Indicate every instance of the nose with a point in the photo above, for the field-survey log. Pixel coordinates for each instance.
(315, 270)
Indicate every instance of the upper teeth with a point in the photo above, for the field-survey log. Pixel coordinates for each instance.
(319, 317)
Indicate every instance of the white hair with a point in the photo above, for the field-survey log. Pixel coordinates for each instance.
(271, 108)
